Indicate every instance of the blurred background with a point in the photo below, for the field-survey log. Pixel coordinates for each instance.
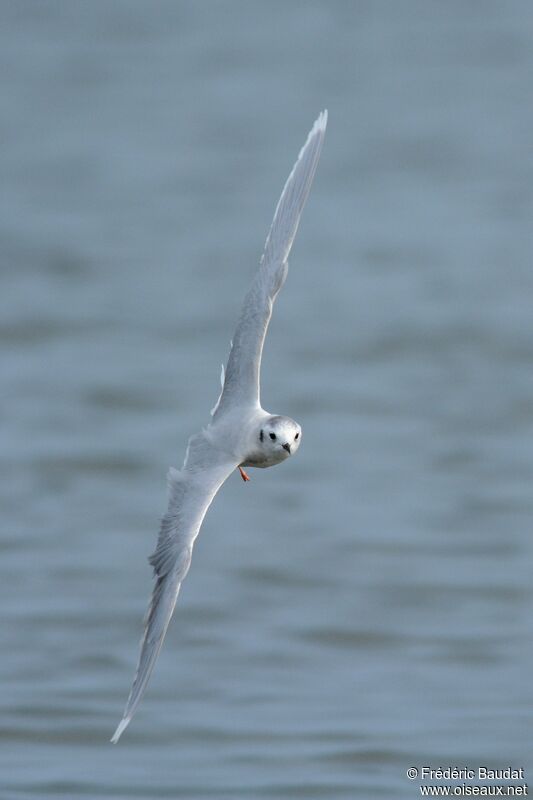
(367, 606)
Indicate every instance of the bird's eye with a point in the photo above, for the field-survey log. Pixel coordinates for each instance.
(296, 435)
(273, 437)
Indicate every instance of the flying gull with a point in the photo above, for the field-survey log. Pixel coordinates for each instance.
(240, 434)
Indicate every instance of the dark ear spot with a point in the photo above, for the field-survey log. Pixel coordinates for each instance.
(261, 435)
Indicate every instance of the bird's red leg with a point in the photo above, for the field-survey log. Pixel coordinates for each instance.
(244, 476)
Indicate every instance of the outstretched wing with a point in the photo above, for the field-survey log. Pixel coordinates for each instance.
(191, 491)
(241, 384)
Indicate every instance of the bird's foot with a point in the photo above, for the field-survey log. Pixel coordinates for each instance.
(244, 476)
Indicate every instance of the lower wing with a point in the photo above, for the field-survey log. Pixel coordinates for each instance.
(191, 491)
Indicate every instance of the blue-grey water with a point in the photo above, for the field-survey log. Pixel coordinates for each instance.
(367, 606)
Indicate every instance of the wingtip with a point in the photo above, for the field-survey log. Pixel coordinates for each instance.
(123, 724)
(321, 121)
(318, 129)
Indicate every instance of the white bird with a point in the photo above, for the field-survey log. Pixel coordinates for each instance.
(241, 433)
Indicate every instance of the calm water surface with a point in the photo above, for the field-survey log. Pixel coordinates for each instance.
(367, 606)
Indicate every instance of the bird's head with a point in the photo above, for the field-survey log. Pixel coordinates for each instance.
(280, 437)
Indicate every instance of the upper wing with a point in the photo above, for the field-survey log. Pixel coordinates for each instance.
(241, 384)
(191, 491)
